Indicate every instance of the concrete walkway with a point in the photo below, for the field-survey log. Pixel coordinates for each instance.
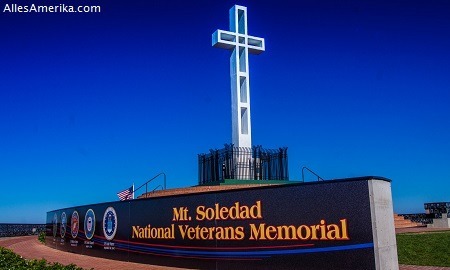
(29, 247)
(420, 230)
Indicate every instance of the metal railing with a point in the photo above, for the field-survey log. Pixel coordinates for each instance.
(309, 170)
(12, 229)
(419, 218)
(146, 183)
(243, 163)
(158, 186)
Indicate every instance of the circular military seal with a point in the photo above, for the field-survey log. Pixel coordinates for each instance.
(74, 224)
(55, 224)
(89, 224)
(63, 224)
(110, 223)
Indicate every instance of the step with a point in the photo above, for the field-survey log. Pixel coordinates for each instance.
(401, 222)
(408, 226)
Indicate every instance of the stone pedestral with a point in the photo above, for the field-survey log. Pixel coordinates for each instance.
(383, 228)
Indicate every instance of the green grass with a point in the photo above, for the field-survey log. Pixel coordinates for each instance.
(430, 249)
(11, 261)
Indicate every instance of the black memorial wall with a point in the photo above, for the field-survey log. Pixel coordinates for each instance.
(321, 225)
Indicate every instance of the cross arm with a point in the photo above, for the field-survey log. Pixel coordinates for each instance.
(224, 39)
(256, 45)
(229, 40)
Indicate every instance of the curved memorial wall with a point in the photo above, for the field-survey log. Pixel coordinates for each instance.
(341, 224)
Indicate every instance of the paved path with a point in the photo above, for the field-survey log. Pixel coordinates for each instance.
(29, 247)
(420, 229)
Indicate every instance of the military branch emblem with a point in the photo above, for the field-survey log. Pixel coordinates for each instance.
(74, 224)
(89, 224)
(63, 224)
(55, 224)
(110, 223)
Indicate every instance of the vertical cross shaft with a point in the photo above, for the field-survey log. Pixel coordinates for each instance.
(240, 44)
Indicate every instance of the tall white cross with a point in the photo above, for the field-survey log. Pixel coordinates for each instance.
(240, 44)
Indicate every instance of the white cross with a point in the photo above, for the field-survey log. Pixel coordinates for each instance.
(240, 44)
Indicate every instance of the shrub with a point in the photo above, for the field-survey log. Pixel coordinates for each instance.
(41, 237)
(11, 261)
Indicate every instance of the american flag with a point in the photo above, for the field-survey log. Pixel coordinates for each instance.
(126, 194)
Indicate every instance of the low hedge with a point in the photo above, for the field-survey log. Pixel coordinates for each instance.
(11, 261)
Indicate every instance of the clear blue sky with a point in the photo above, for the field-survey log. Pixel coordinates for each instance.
(91, 103)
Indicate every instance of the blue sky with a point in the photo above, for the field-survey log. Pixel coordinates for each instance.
(91, 103)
